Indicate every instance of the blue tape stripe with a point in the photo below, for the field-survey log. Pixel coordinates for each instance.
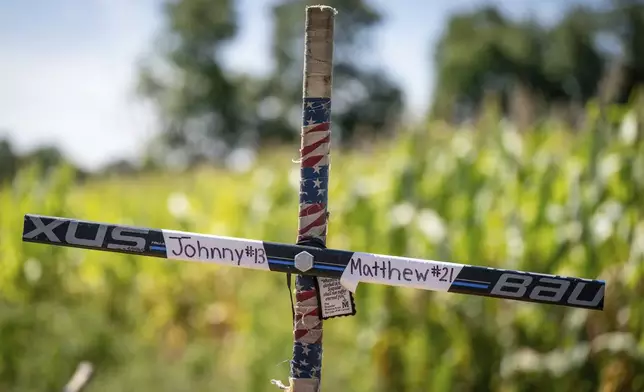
(154, 247)
(280, 258)
(328, 267)
(475, 285)
(274, 261)
(318, 266)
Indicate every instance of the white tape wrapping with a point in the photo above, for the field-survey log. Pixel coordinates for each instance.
(399, 271)
(220, 250)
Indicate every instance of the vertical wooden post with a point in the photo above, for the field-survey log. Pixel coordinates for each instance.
(306, 365)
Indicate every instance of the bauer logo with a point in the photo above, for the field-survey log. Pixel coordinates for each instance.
(577, 292)
(85, 234)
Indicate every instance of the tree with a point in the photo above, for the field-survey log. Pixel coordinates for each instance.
(484, 51)
(364, 99)
(8, 161)
(197, 100)
(623, 24)
(45, 157)
(572, 60)
(206, 111)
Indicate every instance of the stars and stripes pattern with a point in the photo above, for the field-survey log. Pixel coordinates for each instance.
(307, 348)
(314, 186)
(310, 357)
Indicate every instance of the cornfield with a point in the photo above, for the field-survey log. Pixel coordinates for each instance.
(549, 200)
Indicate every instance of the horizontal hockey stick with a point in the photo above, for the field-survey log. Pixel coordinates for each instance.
(350, 267)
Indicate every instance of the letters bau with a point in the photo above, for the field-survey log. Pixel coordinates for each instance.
(517, 286)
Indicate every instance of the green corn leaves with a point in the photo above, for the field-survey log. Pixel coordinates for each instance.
(550, 200)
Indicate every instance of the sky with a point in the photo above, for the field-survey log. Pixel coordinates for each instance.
(67, 67)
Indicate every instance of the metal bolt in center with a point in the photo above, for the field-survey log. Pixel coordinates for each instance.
(303, 261)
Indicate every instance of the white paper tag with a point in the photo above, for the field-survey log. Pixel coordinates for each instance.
(399, 271)
(215, 249)
(336, 301)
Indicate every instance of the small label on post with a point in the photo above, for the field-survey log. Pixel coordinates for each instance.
(335, 300)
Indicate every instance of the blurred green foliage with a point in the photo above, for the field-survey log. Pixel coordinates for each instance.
(549, 201)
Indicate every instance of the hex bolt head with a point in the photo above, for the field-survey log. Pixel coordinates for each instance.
(303, 261)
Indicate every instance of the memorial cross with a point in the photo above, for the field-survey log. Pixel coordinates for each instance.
(326, 278)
